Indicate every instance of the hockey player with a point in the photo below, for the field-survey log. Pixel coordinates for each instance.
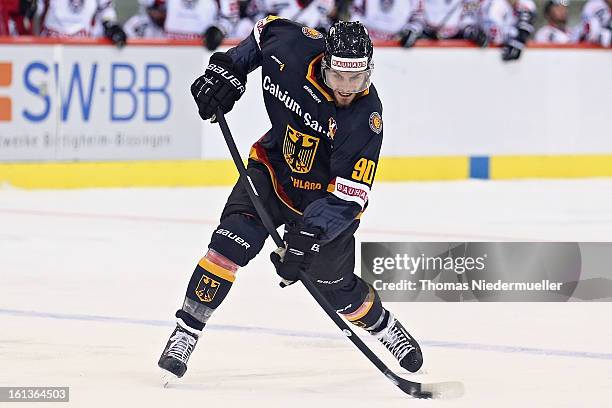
(454, 19)
(76, 18)
(509, 23)
(313, 170)
(597, 22)
(210, 20)
(16, 17)
(247, 16)
(555, 32)
(149, 23)
(391, 20)
(312, 13)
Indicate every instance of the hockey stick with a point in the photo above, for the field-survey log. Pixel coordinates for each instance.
(415, 389)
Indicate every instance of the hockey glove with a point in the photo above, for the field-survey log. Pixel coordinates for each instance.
(524, 27)
(476, 35)
(115, 33)
(220, 86)
(511, 51)
(213, 37)
(302, 245)
(408, 38)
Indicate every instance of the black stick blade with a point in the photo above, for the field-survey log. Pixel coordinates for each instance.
(441, 390)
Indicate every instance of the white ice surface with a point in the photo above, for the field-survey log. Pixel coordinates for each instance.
(90, 279)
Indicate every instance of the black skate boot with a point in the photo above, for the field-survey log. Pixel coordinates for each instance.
(176, 354)
(401, 344)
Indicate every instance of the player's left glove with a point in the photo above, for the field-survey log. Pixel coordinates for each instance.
(115, 33)
(302, 245)
(408, 38)
(213, 37)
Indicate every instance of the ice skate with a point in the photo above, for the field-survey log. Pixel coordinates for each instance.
(175, 356)
(401, 344)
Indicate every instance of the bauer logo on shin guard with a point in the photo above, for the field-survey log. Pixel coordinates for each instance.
(207, 289)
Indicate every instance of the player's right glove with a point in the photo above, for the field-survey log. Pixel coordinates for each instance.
(220, 86)
(302, 245)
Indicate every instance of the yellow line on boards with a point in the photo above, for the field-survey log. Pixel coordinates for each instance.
(564, 166)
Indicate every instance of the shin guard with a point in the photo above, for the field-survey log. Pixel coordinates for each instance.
(369, 314)
(209, 285)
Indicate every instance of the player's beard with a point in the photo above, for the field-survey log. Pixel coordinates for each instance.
(343, 100)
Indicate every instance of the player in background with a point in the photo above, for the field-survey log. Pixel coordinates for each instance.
(555, 31)
(311, 13)
(313, 171)
(149, 22)
(249, 13)
(391, 20)
(509, 23)
(454, 19)
(78, 18)
(210, 20)
(596, 26)
(16, 17)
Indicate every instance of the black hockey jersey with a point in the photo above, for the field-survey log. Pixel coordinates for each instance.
(322, 159)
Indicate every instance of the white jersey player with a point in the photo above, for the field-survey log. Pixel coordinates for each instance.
(76, 18)
(555, 32)
(391, 19)
(509, 23)
(597, 23)
(250, 12)
(194, 19)
(149, 23)
(550, 34)
(446, 19)
(312, 13)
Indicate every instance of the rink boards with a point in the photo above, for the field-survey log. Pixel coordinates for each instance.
(83, 114)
